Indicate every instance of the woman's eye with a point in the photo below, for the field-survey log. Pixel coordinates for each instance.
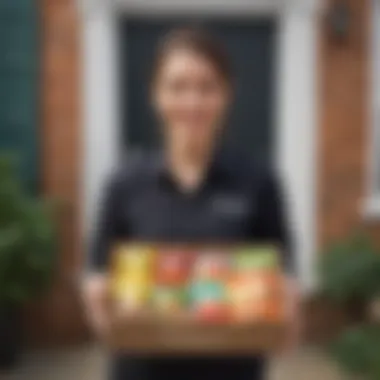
(177, 86)
(202, 88)
(208, 87)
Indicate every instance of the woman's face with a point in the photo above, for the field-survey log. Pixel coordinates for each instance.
(191, 99)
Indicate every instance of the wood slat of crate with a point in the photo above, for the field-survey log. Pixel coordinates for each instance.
(155, 337)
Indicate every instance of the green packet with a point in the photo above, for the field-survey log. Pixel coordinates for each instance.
(204, 291)
(169, 297)
(256, 257)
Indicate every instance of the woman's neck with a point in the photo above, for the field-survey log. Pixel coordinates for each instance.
(189, 166)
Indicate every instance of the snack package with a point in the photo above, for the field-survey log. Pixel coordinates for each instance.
(247, 259)
(171, 278)
(132, 277)
(132, 295)
(256, 297)
(209, 301)
(169, 300)
(247, 295)
(173, 266)
(211, 265)
(213, 312)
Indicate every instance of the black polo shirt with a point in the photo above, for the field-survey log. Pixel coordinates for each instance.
(237, 202)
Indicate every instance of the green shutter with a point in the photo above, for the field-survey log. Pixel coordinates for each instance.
(18, 85)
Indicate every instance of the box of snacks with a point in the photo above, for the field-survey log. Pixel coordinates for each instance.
(197, 299)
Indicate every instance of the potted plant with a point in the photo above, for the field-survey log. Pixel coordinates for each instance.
(26, 256)
(350, 276)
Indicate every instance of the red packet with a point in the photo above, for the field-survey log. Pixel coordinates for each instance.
(173, 266)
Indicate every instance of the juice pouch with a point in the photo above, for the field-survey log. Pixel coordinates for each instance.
(211, 265)
(132, 295)
(204, 291)
(257, 297)
(248, 295)
(173, 266)
(168, 300)
(209, 301)
(252, 258)
(132, 274)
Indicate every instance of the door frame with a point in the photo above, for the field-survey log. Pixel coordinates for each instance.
(295, 99)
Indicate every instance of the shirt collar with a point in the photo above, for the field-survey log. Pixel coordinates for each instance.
(215, 174)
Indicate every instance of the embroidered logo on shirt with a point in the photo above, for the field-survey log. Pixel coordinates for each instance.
(231, 206)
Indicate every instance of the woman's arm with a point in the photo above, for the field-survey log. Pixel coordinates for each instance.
(108, 229)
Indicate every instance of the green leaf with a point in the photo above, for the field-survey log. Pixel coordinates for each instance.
(350, 270)
(358, 351)
(27, 239)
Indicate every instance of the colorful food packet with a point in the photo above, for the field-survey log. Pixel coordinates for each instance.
(209, 301)
(132, 295)
(203, 291)
(168, 300)
(132, 275)
(211, 265)
(256, 297)
(249, 258)
(173, 266)
(247, 296)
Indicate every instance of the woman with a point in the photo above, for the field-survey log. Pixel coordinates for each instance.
(193, 191)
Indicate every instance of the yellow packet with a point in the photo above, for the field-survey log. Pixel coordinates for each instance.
(132, 274)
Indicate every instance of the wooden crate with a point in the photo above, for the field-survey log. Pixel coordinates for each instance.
(184, 335)
(174, 337)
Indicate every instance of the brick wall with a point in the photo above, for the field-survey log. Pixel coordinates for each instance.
(344, 125)
(342, 151)
(58, 318)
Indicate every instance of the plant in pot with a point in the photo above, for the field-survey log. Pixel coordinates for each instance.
(27, 242)
(350, 276)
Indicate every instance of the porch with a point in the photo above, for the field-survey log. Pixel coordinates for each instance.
(89, 362)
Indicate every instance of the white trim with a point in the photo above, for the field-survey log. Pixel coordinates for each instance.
(372, 202)
(216, 8)
(297, 124)
(247, 8)
(296, 102)
(101, 114)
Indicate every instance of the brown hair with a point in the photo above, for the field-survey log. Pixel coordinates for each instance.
(198, 41)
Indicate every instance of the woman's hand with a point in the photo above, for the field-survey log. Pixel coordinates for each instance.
(97, 303)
